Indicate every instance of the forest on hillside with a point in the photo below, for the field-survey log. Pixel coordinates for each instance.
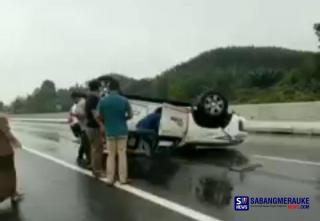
(242, 74)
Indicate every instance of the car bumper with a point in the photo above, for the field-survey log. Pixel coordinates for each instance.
(225, 140)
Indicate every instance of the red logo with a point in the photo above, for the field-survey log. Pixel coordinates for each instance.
(293, 206)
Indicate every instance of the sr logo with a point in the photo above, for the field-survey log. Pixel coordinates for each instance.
(241, 203)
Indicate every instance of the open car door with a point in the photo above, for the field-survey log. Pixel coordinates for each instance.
(140, 109)
(174, 121)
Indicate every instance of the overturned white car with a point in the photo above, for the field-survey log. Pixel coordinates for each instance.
(205, 124)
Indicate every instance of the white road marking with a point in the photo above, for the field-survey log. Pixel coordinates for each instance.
(183, 210)
(311, 163)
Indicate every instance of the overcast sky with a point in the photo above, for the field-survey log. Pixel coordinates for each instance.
(71, 41)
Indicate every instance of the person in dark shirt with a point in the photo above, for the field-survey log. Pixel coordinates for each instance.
(148, 129)
(92, 127)
(151, 121)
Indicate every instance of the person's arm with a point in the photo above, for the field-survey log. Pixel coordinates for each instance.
(95, 109)
(5, 128)
(98, 114)
(102, 131)
(80, 109)
(157, 123)
(100, 121)
(129, 111)
(72, 116)
(73, 109)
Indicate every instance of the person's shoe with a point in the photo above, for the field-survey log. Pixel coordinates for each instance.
(79, 161)
(88, 166)
(125, 182)
(109, 182)
(98, 174)
(102, 175)
(85, 164)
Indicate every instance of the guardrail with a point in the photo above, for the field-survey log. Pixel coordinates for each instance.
(279, 127)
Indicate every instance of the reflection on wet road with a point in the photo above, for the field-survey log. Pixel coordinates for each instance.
(205, 180)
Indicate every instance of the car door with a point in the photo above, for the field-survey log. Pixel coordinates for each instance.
(174, 121)
(139, 111)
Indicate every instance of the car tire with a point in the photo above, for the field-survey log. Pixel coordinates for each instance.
(213, 104)
(210, 109)
(149, 149)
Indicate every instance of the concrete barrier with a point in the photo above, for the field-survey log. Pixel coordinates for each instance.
(59, 115)
(300, 112)
(305, 128)
(285, 118)
(40, 120)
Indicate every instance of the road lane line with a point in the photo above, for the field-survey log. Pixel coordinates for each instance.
(173, 206)
(311, 163)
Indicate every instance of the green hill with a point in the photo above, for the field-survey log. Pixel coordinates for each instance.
(243, 74)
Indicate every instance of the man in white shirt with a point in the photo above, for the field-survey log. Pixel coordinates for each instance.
(79, 112)
(74, 122)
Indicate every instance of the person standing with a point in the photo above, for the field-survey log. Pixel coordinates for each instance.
(114, 111)
(93, 128)
(8, 177)
(74, 122)
(79, 112)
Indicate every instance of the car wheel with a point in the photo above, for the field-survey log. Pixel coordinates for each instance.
(148, 149)
(211, 110)
(132, 142)
(213, 104)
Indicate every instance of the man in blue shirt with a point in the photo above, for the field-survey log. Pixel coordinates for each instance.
(151, 121)
(114, 111)
(147, 131)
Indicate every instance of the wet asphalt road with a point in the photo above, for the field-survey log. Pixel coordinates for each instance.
(205, 181)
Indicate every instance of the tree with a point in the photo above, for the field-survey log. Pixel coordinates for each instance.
(162, 87)
(63, 99)
(18, 106)
(43, 99)
(317, 30)
(46, 97)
